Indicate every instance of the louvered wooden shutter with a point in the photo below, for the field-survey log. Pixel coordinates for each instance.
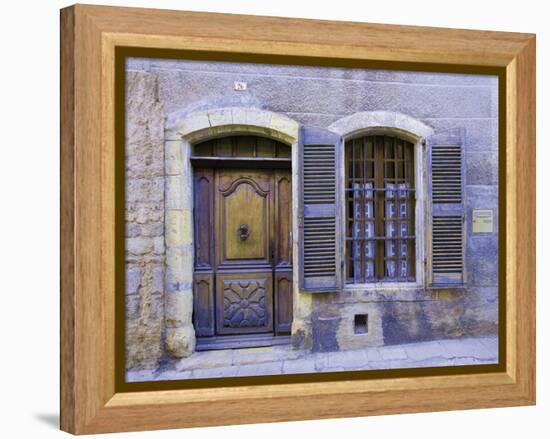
(448, 211)
(318, 222)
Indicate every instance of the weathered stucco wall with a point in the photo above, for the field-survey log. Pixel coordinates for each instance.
(318, 97)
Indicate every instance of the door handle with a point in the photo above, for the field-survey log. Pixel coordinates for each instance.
(244, 231)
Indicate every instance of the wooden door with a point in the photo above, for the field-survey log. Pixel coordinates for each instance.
(244, 231)
(243, 271)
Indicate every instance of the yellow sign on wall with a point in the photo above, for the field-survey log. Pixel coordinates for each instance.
(482, 221)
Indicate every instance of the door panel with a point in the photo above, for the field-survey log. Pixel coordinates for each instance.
(283, 223)
(244, 205)
(245, 303)
(283, 253)
(283, 302)
(204, 218)
(245, 208)
(203, 304)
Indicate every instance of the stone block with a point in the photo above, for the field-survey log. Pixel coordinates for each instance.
(157, 284)
(144, 111)
(173, 157)
(157, 229)
(158, 245)
(180, 342)
(179, 266)
(242, 116)
(145, 190)
(179, 227)
(179, 192)
(193, 122)
(145, 158)
(174, 192)
(220, 117)
(142, 214)
(132, 230)
(156, 311)
(132, 280)
(178, 308)
(284, 124)
(139, 246)
(143, 344)
(133, 304)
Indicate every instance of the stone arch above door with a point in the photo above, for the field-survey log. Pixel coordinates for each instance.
(181, 132)
(204, 125)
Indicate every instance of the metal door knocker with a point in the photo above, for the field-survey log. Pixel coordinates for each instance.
(244, 232)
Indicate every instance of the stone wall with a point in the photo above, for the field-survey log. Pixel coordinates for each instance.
(318, 97)
(145, 253)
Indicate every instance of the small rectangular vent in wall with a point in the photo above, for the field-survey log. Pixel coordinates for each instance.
(361, 323)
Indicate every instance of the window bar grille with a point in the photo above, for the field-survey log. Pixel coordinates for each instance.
(380, 200)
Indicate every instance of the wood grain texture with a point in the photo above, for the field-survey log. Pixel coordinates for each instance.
(521, 286)
(89, 402)
(67, 253)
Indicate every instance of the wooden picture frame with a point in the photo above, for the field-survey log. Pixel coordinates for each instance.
(91, 402)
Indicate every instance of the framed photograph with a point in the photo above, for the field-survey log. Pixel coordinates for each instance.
(293, 219)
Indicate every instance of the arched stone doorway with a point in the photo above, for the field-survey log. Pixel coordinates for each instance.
(243, 257)
(182, 132)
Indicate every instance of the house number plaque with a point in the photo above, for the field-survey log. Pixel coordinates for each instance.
(482, 221)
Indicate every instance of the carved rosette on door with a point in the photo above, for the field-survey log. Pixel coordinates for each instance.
(243, 271)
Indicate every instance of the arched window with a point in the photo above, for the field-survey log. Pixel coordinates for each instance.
(380, 209)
